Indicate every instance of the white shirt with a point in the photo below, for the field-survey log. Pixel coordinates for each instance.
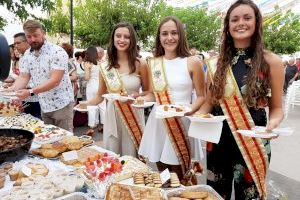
(51, 57)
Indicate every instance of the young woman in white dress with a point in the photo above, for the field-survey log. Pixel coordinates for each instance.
(91, 75)
(132, 71)
(183, 73)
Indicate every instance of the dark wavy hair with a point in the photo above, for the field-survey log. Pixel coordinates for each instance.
(257, 80)
(131, 51)
(91, 55)
(182, 48)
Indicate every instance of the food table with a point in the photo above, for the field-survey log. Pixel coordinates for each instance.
(61, 166)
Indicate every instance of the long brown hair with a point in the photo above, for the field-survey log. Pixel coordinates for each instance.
(91, 55)
(182, 49)
(131, 51)
(257, 80)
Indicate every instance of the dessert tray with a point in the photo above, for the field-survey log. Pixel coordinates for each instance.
(66, 144)
(34, 178)
(46, 134)
(167, 111)
(128, 192)
(23, 121)
(10, 108)
(204, 192)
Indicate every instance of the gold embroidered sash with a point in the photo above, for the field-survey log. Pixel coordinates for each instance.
(174, 126)
(238, 117)
(129, 118)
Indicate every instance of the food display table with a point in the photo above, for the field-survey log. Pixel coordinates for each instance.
(62, 166)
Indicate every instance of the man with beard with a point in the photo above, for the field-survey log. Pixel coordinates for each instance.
(46, 65)
(33, 108)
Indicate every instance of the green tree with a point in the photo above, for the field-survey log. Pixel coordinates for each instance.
(95, 19)
(281, 32)
(58, 24)
(202, 28)
(20, 8)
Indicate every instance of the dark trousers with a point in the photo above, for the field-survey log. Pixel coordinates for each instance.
(34, 109)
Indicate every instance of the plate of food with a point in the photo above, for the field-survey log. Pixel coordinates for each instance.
(117, 96)
(47, 133)
(260, 132)
(81, 107)
(140, 102)
(167, 111)
(209, 118)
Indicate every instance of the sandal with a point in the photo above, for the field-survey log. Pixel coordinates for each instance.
(90, 132)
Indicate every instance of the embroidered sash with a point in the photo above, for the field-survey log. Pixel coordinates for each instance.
(238, 117)
(173, 125)
(114, 84)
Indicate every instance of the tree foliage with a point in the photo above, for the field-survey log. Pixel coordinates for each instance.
(94, 20)
(59, 20)
(202, 28)
(281, 32)
(20, 8)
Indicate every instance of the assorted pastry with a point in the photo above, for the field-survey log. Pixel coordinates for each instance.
(139, 101)
(207, 115)
(173, 108)
(4, 169)
(128, 192)
(83, 155)
(38, 187)
(32, 170)
(49, 133)
(131, 166)
(10, 108)
(147, 179)
(67, 143)
(24, 121)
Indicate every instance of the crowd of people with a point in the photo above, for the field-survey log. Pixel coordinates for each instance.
(241, 81)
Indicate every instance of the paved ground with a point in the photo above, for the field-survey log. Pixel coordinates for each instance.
(284, 173)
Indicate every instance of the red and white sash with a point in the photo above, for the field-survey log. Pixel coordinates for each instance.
(114, 84)
(173, 125)
(238, 117)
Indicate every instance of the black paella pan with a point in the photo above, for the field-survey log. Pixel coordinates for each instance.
(14, 144)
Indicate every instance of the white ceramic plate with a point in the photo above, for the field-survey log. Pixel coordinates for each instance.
(208, 120)
(115, 96)
(253, 133)
(79, 109)
(145, 105)
(161, 113)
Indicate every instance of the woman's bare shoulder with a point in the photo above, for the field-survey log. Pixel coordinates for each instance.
(272, 59)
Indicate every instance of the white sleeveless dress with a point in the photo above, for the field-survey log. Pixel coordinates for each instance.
(91, 91)
(116, 137)
(156, 144)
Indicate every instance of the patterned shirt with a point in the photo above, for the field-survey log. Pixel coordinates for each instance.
(51, 57)
(33, 98)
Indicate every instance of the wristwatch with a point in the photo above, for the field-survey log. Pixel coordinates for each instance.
(31, 92)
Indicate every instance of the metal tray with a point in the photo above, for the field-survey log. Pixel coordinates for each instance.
(207, 188)
(74, 196)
